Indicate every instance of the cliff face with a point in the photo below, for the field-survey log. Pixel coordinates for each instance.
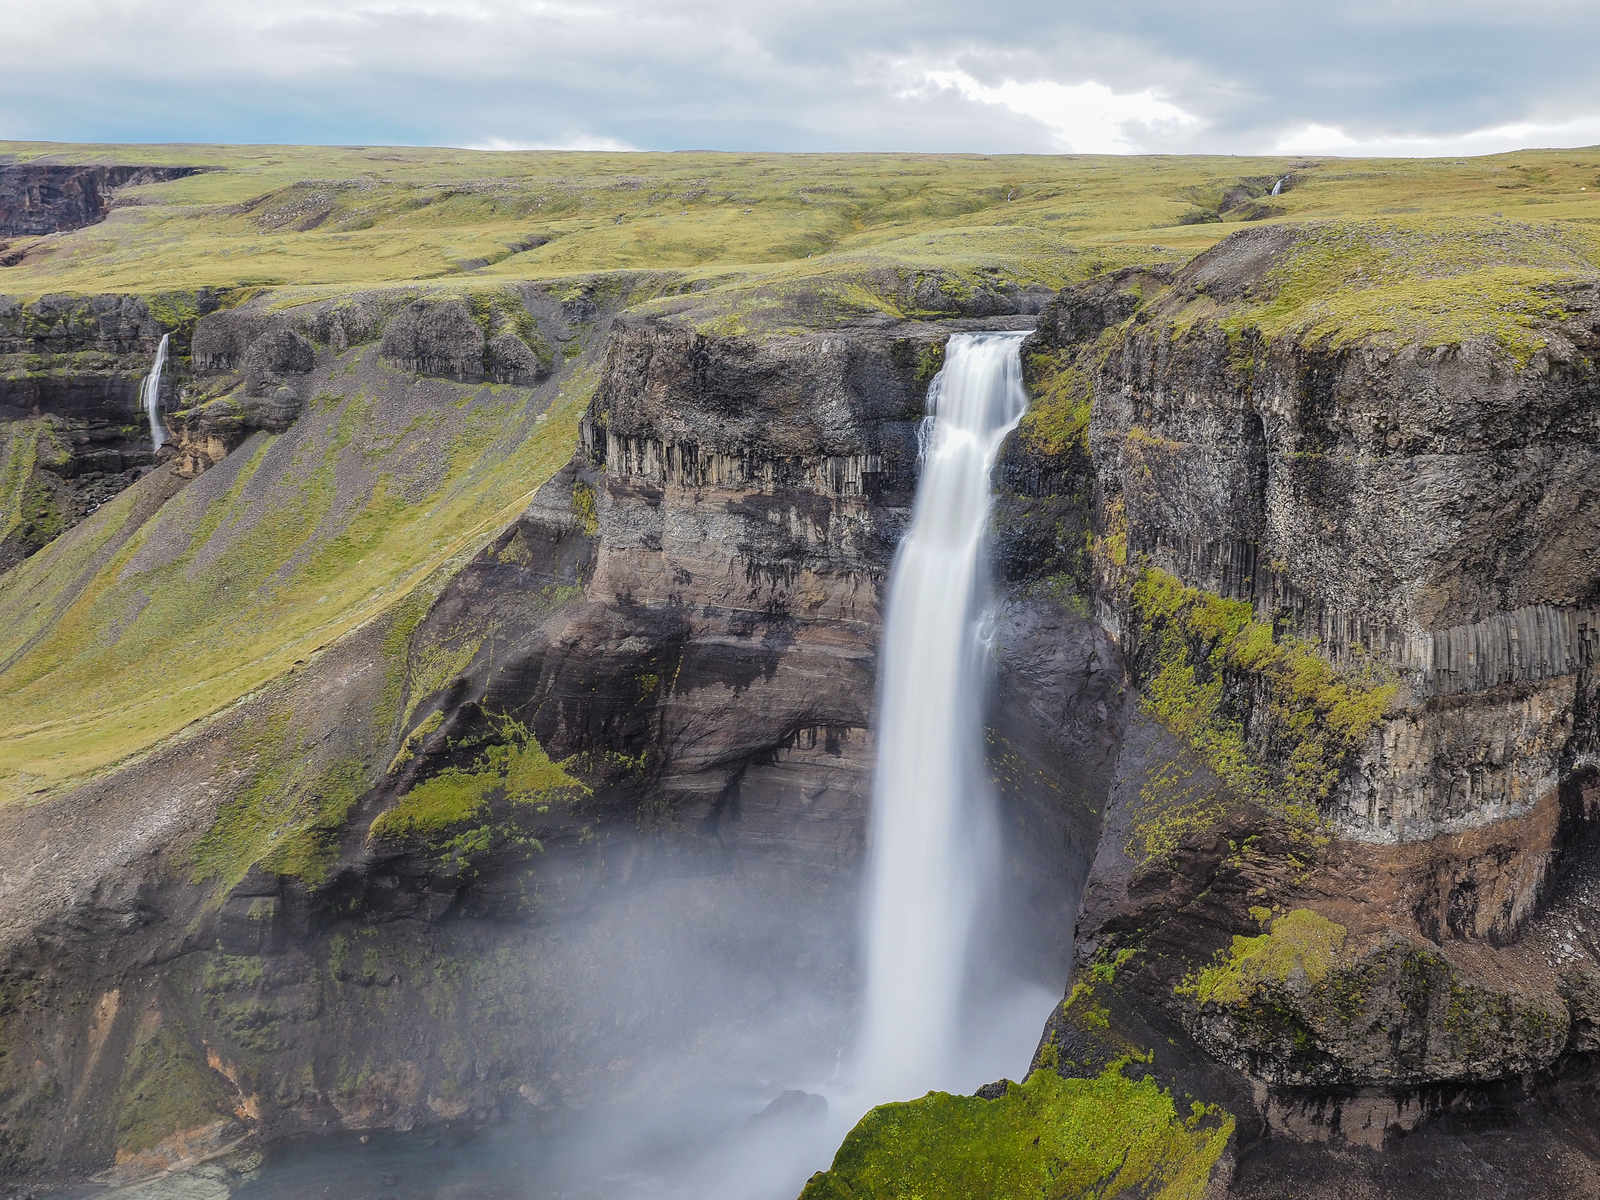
(595, 792)
(71, 432)
(1294, 707)
(39, 198)
(1345, 856)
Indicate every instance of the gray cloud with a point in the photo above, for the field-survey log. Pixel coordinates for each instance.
(1367, 75)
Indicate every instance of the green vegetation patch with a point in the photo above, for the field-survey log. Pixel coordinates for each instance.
(32, 512)
(165, 1090)
(516, 769)
(131, 626)
(287, 815)
(1057, 421)
(1048, 1137)
(1301, 942)
(1429, 281)
(1209, 668)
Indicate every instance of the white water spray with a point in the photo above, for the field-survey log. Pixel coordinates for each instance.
(150, 395)
(1278, 187)
(931, 850)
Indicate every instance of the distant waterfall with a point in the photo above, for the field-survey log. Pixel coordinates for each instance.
(1278, 186)
(930, 853)
(150, 395)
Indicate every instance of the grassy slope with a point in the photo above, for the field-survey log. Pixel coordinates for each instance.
(291, 542)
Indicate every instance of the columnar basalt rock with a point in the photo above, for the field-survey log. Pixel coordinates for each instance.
(1417, 528)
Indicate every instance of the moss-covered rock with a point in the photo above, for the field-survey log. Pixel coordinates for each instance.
(1292, 1007)
(1047, 1137)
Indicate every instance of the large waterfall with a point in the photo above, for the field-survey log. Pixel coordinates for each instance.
(150, 395)
(931, 848)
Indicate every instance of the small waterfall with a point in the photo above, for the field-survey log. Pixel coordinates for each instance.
(931, 849)
(150, 395)
(1278, 186)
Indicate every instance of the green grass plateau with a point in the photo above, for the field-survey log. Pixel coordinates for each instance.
(314, 221)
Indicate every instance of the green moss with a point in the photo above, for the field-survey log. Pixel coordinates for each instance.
(165, 1089)
(33, 510)
(1048, 1137)
(1057, 420)
(583, 505)
(1301, 941)
(287, 816)
(450, 798)
(1430, 281)
(1208, 665)
(516, 769)
(176, 312)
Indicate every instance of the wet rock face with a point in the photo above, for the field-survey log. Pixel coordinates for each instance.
(38, 198)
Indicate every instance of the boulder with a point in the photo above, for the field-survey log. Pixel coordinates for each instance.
(276, 354)
(435, 337)
(509, 359)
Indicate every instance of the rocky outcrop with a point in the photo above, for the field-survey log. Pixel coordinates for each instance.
(435, 338)
(1356, 585)
(38, 198)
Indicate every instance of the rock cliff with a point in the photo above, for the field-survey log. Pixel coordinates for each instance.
(1295, 710)
(1340, 885)
(39, 198)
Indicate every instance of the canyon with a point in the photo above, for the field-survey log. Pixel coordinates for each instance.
(478, 696)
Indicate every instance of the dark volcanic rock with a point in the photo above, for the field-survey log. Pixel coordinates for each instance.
(509, 359)
(38, 198)
(272, 356)
(435, 337)
(1420, 518)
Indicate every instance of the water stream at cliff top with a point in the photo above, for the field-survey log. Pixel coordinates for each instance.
(150, 395)
(932, 849)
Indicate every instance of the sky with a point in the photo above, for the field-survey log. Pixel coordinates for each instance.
(1357, 77)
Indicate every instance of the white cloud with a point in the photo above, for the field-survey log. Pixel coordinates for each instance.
(1088, 118)
(1497, 139)
(581, 142)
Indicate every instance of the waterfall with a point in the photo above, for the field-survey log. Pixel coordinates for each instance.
(1278, 186)
(150, 395)
(931, 852)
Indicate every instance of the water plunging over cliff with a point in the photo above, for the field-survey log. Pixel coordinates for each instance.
(150, 395)
(931, 845)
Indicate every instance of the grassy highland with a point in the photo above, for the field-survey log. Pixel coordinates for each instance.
(310, 222)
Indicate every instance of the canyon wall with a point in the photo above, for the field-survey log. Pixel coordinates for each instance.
(582, 799)
(1342, 883)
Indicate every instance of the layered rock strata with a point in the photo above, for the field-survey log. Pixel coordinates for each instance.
(40, 198)
(1356, 585)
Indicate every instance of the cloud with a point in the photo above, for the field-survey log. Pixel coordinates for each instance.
(1088, 118)
(1499, 139)
(926, 75)
(574, 143)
